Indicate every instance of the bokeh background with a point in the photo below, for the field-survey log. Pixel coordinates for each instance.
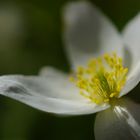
(30, 38)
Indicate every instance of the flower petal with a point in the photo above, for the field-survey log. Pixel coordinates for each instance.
(59, 83)
(131, 36)
(88, 33)
(121, 122)
(39, 93)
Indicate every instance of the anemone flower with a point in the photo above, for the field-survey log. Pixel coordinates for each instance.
(105, 66)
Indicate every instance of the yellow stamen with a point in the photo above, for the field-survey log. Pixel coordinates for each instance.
(103, 78)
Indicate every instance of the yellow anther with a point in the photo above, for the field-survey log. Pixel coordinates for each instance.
(103, 78)
(80, 70)
(72, 79)
(106, 100)
(112, 95)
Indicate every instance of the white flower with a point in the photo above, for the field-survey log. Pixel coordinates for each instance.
(88, 34)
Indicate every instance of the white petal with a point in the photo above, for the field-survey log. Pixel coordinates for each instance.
(131, 36)
(51, 71)
(88, 33)
(121, 122)
(44, 95)
(59, 83)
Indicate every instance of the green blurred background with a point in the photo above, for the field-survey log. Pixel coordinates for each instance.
(37, 43)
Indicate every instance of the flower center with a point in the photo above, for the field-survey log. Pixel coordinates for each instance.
(103, 78)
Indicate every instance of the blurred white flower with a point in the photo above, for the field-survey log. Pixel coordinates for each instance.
(87, 34)
(11, 25)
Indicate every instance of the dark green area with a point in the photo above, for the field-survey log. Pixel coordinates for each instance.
(42, 45)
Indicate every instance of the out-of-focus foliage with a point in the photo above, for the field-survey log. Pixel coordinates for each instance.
(30, 38)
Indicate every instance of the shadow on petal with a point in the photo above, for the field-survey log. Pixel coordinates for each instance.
(127, 58)
(120, 122)
(135, 94)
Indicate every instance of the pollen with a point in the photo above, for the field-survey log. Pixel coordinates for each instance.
(103, 78)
